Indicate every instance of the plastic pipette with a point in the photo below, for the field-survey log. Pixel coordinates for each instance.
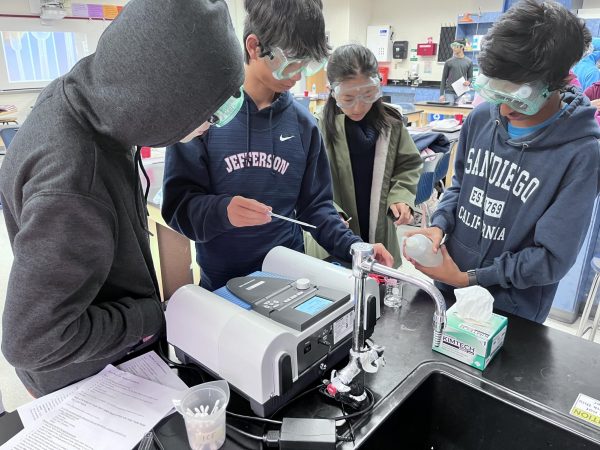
(272, 214)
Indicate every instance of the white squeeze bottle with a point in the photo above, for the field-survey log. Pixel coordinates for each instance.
(420, 248)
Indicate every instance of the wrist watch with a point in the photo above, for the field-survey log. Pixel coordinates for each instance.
(472, 277)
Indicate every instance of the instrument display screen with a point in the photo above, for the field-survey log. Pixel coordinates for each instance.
(313, 305)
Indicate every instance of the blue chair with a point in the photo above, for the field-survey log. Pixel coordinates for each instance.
(435, 168)
(7, 135)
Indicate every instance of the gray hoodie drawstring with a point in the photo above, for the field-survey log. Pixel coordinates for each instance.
(141, 208)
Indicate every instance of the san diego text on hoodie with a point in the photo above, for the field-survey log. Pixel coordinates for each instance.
(518, 209)
(276, 156)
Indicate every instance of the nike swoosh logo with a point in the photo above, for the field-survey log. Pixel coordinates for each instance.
(283, 139)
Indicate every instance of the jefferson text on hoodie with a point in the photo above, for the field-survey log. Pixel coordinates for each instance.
(82, 291)
(275, 156)
(518, 210)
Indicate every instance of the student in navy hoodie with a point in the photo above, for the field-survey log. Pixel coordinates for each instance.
(219, 188)
(527, 165)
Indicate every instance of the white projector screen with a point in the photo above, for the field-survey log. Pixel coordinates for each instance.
(33, 54)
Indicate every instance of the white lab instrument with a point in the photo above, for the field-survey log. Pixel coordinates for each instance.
(286, 342)
(379, 41)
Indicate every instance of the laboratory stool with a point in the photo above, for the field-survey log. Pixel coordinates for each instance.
(589, 303)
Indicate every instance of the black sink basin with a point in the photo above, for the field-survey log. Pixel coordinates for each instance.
(447, 413)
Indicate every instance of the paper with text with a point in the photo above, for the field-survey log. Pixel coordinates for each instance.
(112, 410)
(148, 366)
(459, 87)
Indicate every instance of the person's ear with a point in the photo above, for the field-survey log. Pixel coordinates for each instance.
(253, 47)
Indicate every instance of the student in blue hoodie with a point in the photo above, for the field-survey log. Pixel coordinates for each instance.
(219, 188)
(527, 166)
(586, 70)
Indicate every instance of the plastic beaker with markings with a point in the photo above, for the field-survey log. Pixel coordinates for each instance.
(203, 410)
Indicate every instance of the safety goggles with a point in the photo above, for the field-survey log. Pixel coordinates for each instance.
(456, 45)
(346, 95)
(221, 117)
(525, 98)
(228, 110)
(284, 68)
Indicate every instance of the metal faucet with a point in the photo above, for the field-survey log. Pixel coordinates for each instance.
(347, 384)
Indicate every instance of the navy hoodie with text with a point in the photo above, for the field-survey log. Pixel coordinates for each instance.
(518, 209)
(275, 156)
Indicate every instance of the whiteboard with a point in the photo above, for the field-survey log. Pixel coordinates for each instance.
(32, 54)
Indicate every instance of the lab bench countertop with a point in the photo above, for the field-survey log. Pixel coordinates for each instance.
(542, 365)
(427, 105)
(537, 366)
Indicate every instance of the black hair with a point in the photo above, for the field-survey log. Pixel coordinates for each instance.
(534, 41)
(347, 62)
(295, 26)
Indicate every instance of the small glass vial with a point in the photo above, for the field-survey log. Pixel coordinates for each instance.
(392, 293)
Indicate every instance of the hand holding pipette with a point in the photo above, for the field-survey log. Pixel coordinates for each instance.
(247, 212)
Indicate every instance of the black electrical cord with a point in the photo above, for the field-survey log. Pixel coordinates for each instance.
(349, 425)
(297, 397)
(270, 438)
(244, 433)
(258, 419)
(357, 413)
(174, 365)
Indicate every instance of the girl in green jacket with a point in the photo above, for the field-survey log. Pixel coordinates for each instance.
(375, 165)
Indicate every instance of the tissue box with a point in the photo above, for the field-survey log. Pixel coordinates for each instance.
(471, 343)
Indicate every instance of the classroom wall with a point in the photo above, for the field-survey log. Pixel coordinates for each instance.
(411, 21)
(24, 101)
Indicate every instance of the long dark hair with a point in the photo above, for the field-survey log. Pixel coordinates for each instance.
(347, 62)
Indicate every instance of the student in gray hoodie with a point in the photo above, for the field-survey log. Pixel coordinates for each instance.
(82, 291)
(527, 166)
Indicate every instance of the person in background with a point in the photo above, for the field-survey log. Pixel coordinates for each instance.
(586, 70)
(375, 164)
(82, 291)
(526, 159)
(593, 93)
(456, 67)
(573, 80)
(220, 188)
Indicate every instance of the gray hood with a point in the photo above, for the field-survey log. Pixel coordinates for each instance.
(159, 71)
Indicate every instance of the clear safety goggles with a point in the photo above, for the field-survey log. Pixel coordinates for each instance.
(346, 95)
(456, 45)
(284, 68)
(228, 110)
(525, 98)
(221, 117)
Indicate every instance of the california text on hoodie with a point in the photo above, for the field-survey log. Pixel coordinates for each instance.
(276, 156)
(518, 210)
(82, 291)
